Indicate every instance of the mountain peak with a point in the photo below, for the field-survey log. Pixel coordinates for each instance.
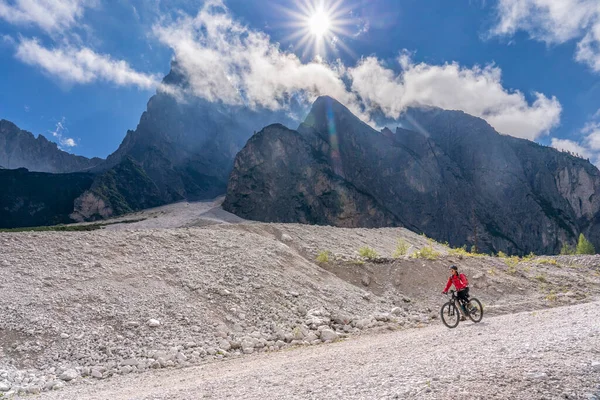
(327, 113)
(20, 148)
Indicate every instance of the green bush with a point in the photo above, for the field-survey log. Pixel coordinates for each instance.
(368, 253)
(584, 246)
(512, 261)
(401, 248)
(427, 253)
(323, 257)
(567, 250)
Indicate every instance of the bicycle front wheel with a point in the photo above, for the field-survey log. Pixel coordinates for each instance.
(475, 310)
(449, 314)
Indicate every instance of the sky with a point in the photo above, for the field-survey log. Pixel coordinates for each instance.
(81, 72)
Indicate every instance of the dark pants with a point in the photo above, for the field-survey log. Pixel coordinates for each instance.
(463, 295)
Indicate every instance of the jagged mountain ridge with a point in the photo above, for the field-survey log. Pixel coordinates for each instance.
(457, 180)
(184, 148)
(21, 149)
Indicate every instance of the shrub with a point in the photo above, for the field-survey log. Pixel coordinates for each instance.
(512, 261)
(541, 278)
(501, 254)
(584, 246)
(427, 253)
(460, 251)
(567, 250)
(368, 253)
(512, 269)
(401, 248)
(323, 257)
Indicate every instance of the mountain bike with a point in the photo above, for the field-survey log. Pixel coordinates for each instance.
(451, 316)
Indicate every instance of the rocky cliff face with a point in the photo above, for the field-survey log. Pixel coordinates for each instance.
(20, 149)
(452, 177)
(184, 149)
(297, 184)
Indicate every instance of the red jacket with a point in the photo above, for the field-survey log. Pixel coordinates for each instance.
(460, 282)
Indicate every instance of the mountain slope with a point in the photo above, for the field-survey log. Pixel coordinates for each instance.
(184, 147)
(278, 163)
(37, 198)
(457, 180)
(20, 149)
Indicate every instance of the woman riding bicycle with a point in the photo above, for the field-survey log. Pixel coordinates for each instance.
(461, 284)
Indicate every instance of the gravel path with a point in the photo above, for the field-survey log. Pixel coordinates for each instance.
(547, 354)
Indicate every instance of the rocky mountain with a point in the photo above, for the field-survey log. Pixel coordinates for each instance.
(184, 149)
(20, 149)
(449, 175)
(280, 177)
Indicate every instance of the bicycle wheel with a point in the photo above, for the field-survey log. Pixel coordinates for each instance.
(475, 310)
(450, 315)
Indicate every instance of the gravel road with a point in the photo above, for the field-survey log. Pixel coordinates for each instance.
(548, 354)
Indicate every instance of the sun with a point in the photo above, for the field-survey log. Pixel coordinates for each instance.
(319, 24)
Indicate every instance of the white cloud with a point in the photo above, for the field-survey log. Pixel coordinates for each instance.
(226, 61)
(8, 40)
(82, 65)
(50, 15)
(64, 143)
(571, 146)
(555, 21)
(477, 91)
(589, 146)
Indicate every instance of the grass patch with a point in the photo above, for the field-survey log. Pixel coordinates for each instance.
(547, 261)
(541, 278)
(512, 261)
(463, 252)
(401, 248)
(323, 257)
(427, 253)
(368, 253)
(551, 297)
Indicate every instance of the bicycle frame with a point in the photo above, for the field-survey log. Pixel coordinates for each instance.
(460, 304)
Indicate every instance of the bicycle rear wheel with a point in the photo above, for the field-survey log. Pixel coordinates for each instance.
(475, 310)
(450, 315)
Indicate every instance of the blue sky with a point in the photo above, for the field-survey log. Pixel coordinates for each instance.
(81, 71)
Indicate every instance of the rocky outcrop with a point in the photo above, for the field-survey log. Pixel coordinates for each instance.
(20, 149)
(296, 184)
(450, 176)
(122, 189)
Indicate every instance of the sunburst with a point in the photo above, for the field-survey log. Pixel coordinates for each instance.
(320, 26)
